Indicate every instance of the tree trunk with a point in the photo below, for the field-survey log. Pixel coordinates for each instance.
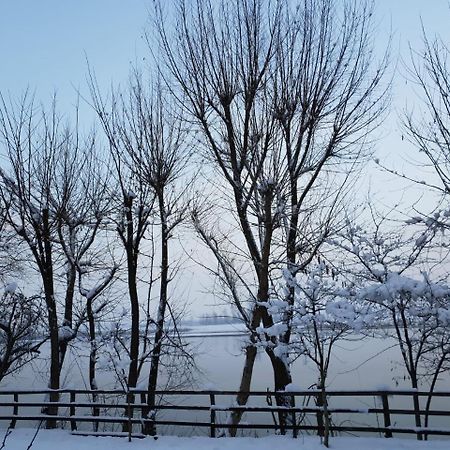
(46, 269)
(92, 359)
(430, 394)
(133, 293)
(323, 418)
(68, 311)
(55, 367)
(134, 338)
(259, 312)
(244, 388)
(282, 378)
(132, 257)
(149, 427)
(416, 404)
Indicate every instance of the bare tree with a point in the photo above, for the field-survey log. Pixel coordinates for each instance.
(429, 129)
(282, 96)
(384, 267)
(155, 140)
(21, 330)
(10, 250)
(328, 98)
(83, 205)
(153, 146)
(133, 208)
(324, 314)
(56, 197)
(93, 312)
(32, 154)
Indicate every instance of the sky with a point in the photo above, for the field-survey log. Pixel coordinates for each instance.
(45, 46)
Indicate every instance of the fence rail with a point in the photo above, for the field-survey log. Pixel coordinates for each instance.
(130, 410)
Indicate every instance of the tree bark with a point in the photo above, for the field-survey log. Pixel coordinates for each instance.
(150, 428)
(132, 255)
(68, 310)
(92, 358)
(47, 277)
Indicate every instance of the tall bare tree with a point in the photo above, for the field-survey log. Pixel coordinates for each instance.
(56, 197)
(82, 199)
(133, 204)
(283, 96)
(32, 155)
(152, 140)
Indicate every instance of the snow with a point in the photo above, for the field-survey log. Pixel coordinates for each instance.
(291, 387)
(10, 288)
(57, 439)
(65, 333)
(396, 285)
(274, 330)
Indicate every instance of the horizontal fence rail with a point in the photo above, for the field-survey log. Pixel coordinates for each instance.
(128, 410)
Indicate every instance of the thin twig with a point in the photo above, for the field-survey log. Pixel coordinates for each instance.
(35, 435)
(5, 437)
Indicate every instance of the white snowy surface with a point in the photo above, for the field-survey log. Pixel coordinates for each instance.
(59, 439)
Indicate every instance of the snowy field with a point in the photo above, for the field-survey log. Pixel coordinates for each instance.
(58, 439)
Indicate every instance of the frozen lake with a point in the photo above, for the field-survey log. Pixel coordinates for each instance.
(359, 363)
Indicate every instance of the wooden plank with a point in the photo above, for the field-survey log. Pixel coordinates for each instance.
(214, 407)
(221, 408)
(138, 406)
(307, 393)
(108, 433)
(369, 429)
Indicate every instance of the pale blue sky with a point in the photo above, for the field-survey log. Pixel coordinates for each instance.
(43, 43)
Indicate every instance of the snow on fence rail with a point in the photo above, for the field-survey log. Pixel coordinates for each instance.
(123, 408)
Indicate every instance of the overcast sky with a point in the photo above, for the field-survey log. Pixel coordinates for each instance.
(44, 45)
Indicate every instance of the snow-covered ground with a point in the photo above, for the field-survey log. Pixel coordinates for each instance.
(59, 439)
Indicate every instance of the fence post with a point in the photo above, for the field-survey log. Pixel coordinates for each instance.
(294, 419)
(386, 415)
(213, 415)
(73, 423)
(130, 415)
(15, 410)
(319, 414)
(95, 411)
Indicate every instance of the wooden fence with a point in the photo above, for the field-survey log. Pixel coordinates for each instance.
(75, 407)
